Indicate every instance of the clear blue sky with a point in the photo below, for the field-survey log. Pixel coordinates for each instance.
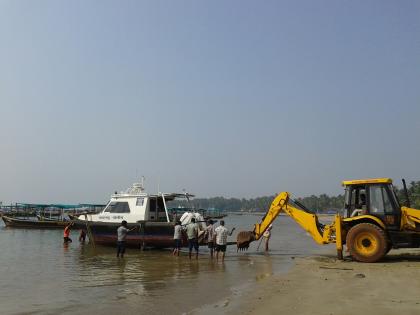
(231, 98)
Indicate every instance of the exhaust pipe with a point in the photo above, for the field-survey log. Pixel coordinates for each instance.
(406, 194)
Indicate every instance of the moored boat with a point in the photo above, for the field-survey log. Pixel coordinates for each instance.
(34, 224)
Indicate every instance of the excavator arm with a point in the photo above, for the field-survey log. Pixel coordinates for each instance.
(322, 234)
(276, 207)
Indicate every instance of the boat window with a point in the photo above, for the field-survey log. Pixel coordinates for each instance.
(139, 202)
(118, 207)
(161, 216)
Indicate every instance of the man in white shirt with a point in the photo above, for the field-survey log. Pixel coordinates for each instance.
(221, 239)
(267, 235)
(177, 238)
(121, 236)
(192, 234)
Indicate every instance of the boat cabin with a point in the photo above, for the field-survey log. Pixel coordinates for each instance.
(134, 205)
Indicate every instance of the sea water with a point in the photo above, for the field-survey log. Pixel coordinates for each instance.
(41, 275)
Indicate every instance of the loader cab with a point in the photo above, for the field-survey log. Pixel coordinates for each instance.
(355, 200)
(374, 197)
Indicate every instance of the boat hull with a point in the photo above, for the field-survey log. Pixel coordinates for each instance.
(145, 234)
(32, 224)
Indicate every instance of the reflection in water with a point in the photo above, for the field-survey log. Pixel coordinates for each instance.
(78, 278)
(65, 247)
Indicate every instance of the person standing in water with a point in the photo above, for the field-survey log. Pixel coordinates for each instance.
(192, 234)
(122, 235)
(82, 236)
(66, 234)
(267, 235)
(177, 238)
(210, 234)
(221, 239)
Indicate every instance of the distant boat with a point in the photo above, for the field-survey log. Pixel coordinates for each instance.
(23, 213)
(43, 218)
(213, 213)
(34, 224)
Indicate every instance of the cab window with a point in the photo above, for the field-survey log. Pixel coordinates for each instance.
(379, 200)
(356, 200)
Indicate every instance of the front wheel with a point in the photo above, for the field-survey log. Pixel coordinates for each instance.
(367, 242)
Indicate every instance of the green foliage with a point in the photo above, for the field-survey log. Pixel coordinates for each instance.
(323, 202)
(317, 203)
(413, 193)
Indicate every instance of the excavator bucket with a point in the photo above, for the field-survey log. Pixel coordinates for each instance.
(243, 240)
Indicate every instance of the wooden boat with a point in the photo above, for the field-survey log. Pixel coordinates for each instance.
(43, 218)
(33, 224)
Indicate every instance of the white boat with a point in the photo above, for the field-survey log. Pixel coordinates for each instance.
(149, 212)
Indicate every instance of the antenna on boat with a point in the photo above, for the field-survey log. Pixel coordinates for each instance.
(187, 195)
(142, 184)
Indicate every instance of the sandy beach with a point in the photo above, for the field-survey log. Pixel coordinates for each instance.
(321, 284)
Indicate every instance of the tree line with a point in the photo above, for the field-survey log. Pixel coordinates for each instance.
(413, 193)
(321, 203)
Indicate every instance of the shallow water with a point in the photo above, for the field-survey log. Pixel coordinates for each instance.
(40, 275)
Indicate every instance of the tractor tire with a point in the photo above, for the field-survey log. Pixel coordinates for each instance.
(367, 242)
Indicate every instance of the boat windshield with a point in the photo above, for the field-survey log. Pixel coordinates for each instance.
(118, 207)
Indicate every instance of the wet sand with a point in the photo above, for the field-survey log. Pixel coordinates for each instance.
(321, 284)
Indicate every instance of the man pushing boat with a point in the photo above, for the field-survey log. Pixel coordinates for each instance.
(66, 234)
(122, 235)
(192, 234)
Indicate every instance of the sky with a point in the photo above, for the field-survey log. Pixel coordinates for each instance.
(220, 98)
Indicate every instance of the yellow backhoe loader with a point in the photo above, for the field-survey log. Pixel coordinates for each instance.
(373, 222)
